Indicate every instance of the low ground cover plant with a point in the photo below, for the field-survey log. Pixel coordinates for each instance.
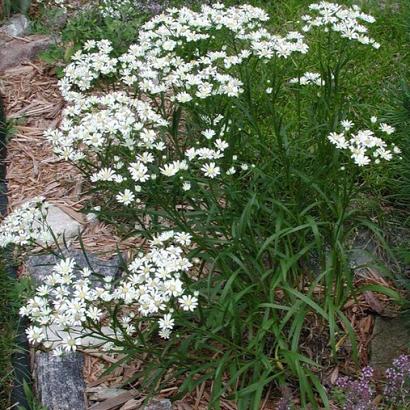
(238, 155)
(360, 393)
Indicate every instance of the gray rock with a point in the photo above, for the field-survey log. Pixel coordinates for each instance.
(17, 51)
(62, 225)
(104, 393)
(16, 26)
(59, 381)
(56, 20)
(391, 338)
(39, 266)
(158, 404)
(363, 252)
(56, 335)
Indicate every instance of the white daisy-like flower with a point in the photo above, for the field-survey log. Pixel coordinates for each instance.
(208, 133)
(126, 197)
(166, 322)
(35, 334)
(347, 124)
(388, 129)
(188, 302)
(211, 170)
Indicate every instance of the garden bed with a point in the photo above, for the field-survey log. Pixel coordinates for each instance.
(266, 163)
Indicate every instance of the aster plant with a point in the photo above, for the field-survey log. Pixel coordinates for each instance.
(244, 140)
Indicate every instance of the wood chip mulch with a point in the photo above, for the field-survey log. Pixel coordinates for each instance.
(34, 104)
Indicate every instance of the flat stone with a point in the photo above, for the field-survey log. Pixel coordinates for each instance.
(56, 335)
(56, 20)
(59, 381)
(101, 393)
(14, 52)
(16, 26)
(40, 266)
(391, 338)
(158, 404)
(62, 224)
(363, 252)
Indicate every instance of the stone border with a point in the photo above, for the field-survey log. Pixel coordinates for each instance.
(21, 357)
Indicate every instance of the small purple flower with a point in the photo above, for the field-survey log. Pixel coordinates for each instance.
(358, 393)
(397, 387)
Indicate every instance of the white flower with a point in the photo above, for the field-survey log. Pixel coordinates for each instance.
(361, 159)
(269, 90)
(338, 139)
(35, 334)
(364, 144)
(169, 170)
(211, 170)
(388, 129)
(183, 97)
(70, 343)
(307, 79)
(346, 124)
(126, 197)
(208, 133)
(186, 186)
(221, 144)
(166, 322)
(105, 174)
(75, 300)
(173, 287)
(347, 21)
(94, 313)
(26, 225)
(58, 351)
(188, 302)
(65, 266)
(165, 333)
(138, 171)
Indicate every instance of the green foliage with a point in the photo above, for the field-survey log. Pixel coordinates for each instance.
(11, 294)
(88, 25)
(10, 7)
(31, 398)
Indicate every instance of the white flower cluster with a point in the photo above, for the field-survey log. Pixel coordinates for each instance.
(25, 225)
(155, 64)
(116, 8)
(364, 145)
(139, 152)
(177, 59)
(94, 123)
(308, 78)
(76, 301)
(87, 66)
(344, 20)
(58, 3)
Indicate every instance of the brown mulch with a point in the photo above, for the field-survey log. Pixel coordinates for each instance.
(34, 104)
